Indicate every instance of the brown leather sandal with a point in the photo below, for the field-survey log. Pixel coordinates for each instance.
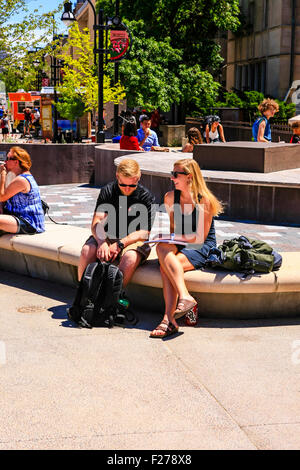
(168, 329)
(183, 307)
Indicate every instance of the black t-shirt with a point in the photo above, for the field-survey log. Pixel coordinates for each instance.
(126, 214)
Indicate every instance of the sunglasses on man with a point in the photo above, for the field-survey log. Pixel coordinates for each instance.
(127, 185)
(176, 173)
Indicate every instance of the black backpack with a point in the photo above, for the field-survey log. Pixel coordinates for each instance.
(244, 255)
(97, 298)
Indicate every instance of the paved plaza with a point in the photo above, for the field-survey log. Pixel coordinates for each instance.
(225, 384)
(74, 204)
(221, 385)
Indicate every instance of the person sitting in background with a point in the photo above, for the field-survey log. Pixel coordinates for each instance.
(129, 140)
(23, 212)
(296, 133)
(214, 131)
(147, 138)
(261, 129)
(194, 137)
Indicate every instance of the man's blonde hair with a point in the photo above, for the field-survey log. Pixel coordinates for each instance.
(268, 104)
(129, 168)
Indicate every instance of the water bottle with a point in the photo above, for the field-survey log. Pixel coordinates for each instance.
(124, 303)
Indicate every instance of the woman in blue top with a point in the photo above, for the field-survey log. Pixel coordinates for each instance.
(261, 129)
(191, 208)
(23, 212)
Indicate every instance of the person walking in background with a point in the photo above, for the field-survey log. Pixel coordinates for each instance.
(191, 208)
(27, 121)
(214, 131)
(194, 138)
(5, 127)
(261, 129)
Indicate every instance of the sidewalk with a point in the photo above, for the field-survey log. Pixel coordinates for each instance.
(222, 385)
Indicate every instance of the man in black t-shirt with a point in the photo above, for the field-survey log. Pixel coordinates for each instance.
(122, 221)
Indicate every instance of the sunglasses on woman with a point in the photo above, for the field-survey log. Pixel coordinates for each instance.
(176, 173)
(11, 158)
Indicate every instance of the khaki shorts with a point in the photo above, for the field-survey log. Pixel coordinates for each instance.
(142, 248)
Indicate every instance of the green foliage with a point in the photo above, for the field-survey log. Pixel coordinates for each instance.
(17, 38)
(231, 101)
(71, 109)
(80, 84)
(191, 24)
(174, 49)
(156, 76)
(249, 102)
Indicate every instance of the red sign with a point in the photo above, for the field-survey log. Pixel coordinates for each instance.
(45, 81)
(119, 43)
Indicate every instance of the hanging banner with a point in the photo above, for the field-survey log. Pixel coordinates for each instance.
(119, 44)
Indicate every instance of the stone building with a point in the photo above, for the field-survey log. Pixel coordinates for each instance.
(265, 54)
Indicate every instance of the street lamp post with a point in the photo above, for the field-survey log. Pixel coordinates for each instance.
(116, 79)
(68, 17)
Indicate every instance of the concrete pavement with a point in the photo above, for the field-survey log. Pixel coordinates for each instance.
(222, 385)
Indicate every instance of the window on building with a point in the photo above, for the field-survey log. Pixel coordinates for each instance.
(251, 76)
(266, 14)
(251, 12)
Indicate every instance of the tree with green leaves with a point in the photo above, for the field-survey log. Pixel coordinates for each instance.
(174, 52)
(78, 92)
(18, 37)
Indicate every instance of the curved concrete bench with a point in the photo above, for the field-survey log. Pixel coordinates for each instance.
(54, 254)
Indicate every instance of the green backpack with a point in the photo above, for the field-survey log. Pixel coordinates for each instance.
(245, 255)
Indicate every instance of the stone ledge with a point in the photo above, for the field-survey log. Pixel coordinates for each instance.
(54, 255)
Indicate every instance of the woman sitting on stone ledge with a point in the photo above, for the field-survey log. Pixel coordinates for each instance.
(191, 208)
(23, 212)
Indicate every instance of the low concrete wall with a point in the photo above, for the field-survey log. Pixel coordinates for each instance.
(60, 163)
(248, 156)
(171, 135)
(105, 169)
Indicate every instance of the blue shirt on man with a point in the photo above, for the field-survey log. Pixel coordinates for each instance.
(152, 139)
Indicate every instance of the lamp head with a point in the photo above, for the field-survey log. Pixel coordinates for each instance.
(68, 16)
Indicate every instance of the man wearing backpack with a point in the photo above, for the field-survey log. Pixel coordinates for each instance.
(117, 232)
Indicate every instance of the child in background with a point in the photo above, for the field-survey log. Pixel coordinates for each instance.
(261, 129)
(296, 133)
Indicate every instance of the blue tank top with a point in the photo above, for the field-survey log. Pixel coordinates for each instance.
(28, 205)
(185, 222)
(267, 133)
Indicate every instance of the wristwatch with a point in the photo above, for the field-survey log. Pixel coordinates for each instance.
(120, 245)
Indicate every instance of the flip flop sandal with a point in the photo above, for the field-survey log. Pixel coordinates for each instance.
(183, 307)
(168, 330)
